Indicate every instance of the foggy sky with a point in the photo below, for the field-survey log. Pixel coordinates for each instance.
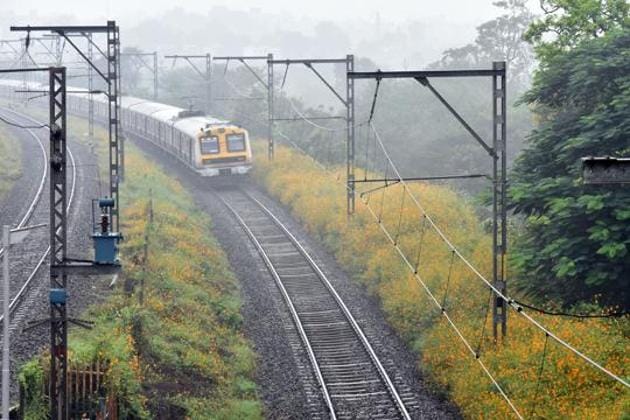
(472, 11)
(394, 33)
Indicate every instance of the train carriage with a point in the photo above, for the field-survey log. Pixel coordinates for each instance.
(208, 146)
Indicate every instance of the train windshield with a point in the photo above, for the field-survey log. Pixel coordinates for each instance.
(236, 142)
(209, 145)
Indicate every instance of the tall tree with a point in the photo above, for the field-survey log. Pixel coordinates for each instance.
(576, 242)
(566, 23)
(500, 39)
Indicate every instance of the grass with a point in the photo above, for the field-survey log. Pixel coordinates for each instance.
(11, 162)
(182, 350)
(564, 387)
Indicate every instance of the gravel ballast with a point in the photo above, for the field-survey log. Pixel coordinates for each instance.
(286, 383)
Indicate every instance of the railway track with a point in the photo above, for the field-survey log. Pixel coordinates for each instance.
(352, 379)
(34, 251)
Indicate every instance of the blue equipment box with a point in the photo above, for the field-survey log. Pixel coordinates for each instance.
(57, 296)
(106, 247)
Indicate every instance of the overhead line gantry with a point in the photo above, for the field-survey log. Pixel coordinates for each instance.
(347, 100)
(496, 150)
(111, 78)
(60, 265)
(153, 68)
(268, 85)
(206, 75)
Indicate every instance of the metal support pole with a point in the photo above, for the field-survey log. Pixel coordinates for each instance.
(155, 76)
(270, 145)
(23, 64)
(6, 233)
(59, 46)
(115, 154)
(121, 138)
(351, 135)
(499, 211)
(308, 62)
(58, 245)
(9, 237)
(90, 54)
(208, 84)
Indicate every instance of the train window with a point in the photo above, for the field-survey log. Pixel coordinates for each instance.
(209, 145)
(236, 142)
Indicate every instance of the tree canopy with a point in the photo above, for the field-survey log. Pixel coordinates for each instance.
(576, 242)
(499, 39)
(566, 23)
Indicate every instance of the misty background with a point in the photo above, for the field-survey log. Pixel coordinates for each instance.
(424, 139)
(394, 34)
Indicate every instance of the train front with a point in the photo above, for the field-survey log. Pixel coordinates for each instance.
(224, 150)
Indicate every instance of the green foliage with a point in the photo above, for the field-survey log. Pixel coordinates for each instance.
(31, 380)
(200, 363)
(11, 162)
(158, 355)
(566, 388)
(577, 237)
(567, 23)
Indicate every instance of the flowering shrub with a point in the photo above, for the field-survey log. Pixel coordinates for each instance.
(558, 385)
(182, 348)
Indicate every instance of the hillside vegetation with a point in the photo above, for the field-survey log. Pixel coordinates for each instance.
(558, 385)
(11, 162)
(180, 352)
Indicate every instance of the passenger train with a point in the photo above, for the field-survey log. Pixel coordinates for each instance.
(206, 145)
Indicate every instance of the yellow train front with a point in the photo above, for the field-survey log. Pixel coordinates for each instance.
(224, 149)
(208, 146)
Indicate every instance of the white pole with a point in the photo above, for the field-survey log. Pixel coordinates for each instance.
(5, 337)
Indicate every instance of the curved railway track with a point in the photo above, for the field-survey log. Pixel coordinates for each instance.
(37, 212)
(42, 182)
(352, 379)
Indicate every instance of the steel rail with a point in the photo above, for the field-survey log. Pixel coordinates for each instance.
(292, 310)
(42, 183)
(355, 326)
(17, 299)
(323, 278)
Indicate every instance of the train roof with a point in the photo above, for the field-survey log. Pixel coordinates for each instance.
(190, 125)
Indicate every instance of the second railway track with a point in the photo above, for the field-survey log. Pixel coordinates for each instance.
(353, 381)
(29, 257)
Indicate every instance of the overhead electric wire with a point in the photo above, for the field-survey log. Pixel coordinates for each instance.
(313, 123)
(476, 353)
(309, 121)
(571, 315)
(235, 89)
(429, 293)
(511, 302)
(446, 315)
(28, 127)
